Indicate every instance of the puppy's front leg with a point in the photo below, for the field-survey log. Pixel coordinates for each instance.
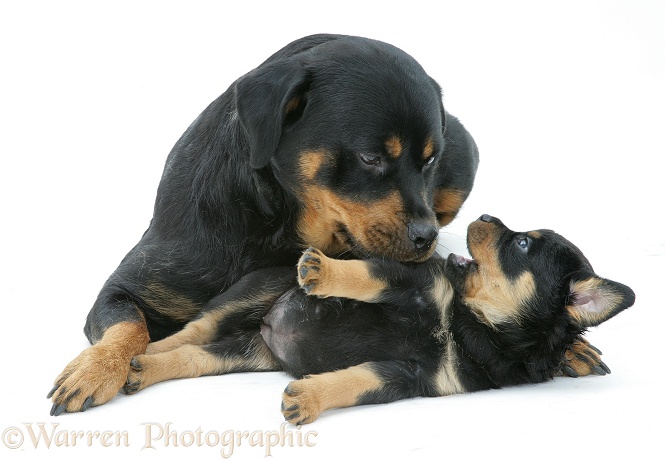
(372, 280)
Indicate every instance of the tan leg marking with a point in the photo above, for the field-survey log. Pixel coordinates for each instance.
(323, 276)
(305, 399)
(192, 361)
(202, 330)
(99, 372)
(197, 332)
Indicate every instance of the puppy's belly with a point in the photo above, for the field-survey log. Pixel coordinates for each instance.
(310, 335)
(287, 329)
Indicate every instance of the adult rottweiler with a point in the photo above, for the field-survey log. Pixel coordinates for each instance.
(377, 330)
(336, 142)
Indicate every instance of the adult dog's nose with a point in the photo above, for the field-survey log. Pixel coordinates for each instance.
(422, 234)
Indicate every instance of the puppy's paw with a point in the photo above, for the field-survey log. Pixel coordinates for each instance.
(135, 377)
(300, 402)
(312, 272)
(583, 359)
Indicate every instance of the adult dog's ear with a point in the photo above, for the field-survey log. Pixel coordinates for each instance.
(455, 171)
(592, 299)
(266, 99)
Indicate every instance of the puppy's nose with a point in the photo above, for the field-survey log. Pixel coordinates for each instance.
(486, 218)
(422, 234)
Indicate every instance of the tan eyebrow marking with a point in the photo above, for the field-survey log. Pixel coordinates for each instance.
(429, 149)
(394, 146)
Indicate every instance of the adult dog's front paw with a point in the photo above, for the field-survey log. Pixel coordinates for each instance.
(91, 379)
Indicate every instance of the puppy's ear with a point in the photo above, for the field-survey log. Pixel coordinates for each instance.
(265, 98)
(593, 300)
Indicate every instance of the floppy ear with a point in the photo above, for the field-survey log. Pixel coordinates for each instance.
(593, 299)
(456, 170)
(264, 98)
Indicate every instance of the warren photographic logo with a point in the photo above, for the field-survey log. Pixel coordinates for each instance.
(156, 436)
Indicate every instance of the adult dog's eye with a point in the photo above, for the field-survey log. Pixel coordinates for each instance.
(371, 159)
(522, 243)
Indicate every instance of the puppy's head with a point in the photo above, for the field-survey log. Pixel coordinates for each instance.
(353, 129)
(536, 281)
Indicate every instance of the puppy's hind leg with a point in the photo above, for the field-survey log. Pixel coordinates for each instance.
(191, 361)
(242, 306)
(583, 359)
(197, 332)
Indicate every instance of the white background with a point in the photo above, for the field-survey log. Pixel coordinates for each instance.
(565, 100)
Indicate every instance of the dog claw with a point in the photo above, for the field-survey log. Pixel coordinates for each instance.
(52, 391)
(570, 372)
(136, 365)
(131, 388)
(310, 271)
(288, 391)
(87, 403)
(292, 417)
(57, 410)
(291, 408)
(307, 257)
(598, 370)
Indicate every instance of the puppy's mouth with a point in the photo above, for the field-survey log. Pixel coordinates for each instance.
(460, 261)
(457, 268)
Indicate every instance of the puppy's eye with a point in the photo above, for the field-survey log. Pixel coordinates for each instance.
(370, 159)
(429, 161)
(522, 243)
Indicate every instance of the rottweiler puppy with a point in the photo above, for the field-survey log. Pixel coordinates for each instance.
(336, 142)
(379, 330)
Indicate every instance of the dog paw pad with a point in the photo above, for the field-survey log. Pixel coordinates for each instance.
(311, 273)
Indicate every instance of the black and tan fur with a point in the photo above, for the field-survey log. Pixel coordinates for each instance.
(377, 330)
(337, 142)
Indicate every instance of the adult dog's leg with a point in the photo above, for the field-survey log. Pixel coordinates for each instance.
(118, 332)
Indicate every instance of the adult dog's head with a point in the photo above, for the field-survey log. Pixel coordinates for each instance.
(355, 130)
